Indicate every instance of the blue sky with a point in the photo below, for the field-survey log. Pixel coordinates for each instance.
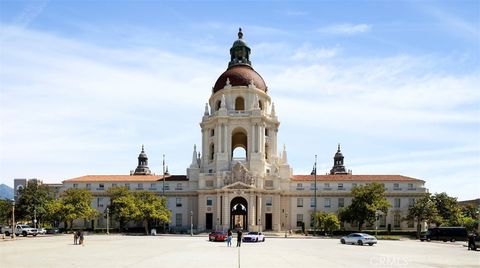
(83, 84)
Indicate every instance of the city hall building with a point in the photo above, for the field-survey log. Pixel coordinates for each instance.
(237, 178)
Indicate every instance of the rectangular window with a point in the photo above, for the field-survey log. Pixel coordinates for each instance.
(75, 185)
(114, 185)
(340, 186)
(89, 186)
(410, 186)
(299, 220)
(397, 203)
(179, 187)
(127, 185)
(396, 220)
(167, 187)
(140, 186)
(312, 202)
(101, 186)
(153, 186)
(212, 132)
(299, 202)
(209, 183)
(209, 201)
(326, 186)
(328, 202)
(341, 202)
(266, 132)
(299, 186)
(178, 201)
(178, 220)
(99, 202)
(396, 186)
(268, 201)
(312, 186)
(383, 220)
(269, 183)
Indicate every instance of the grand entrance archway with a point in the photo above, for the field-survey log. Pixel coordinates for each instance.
(238, 213)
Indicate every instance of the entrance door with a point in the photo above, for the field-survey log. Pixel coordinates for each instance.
(238, 213)
(209, 221)
(268, 221)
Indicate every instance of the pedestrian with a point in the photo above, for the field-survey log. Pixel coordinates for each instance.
(229, 238)
(75, 237)
(81, 238)
(239, 237)
(471, 242)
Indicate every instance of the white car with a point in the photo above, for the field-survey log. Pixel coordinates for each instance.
(253, 237)
(359, 238)
(41, 231)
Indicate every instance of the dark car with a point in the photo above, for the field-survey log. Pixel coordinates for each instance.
(445, 234)
(217, 236)
(52, 231)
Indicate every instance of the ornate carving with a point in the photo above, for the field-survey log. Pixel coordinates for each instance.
(239, 174)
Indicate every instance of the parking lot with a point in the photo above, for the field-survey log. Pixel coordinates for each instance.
(186, 251)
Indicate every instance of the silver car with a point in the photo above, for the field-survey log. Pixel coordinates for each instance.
(359, 238)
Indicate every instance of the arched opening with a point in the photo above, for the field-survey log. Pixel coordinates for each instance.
(260, 105)
(238, 213)
(266, 151)
(217, 105)
(239, 104)
(239, 143)
(212, 151)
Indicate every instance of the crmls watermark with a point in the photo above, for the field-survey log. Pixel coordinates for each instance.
(388, 261)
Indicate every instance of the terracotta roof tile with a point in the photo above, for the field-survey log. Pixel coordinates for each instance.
(127, 178)
(349, 177)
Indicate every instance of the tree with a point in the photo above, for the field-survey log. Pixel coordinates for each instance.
(76, 204)
(327, 222)
(366, 201)
(422, 210)
(448, 210)
(122, 205)
(32, 202)
(55, 212)
(5, 211)
(151, 207)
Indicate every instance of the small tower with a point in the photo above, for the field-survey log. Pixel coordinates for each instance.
(142, 168)
(338, 166)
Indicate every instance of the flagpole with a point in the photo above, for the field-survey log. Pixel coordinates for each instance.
(163, 189)
(315, 197)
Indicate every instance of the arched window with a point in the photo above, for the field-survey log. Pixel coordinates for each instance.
(212, 151)
(260, 105)
(240, 153)
(239, 143)
(217, 105)
(239, 104)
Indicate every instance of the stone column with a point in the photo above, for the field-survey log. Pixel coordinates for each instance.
(260, 217)
(251, 211)
(226, 210)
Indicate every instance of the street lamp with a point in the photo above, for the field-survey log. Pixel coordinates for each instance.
(108, 212)
(259, 225)
(286, 228)
(35, 218)
(377, 215)
(14, 227)
(191, 223)
(314, 173)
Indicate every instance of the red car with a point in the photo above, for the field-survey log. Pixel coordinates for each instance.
(217, 236)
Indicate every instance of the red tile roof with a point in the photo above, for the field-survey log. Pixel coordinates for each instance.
(127, 178)
(349, 177)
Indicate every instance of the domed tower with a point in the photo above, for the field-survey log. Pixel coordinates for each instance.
(338, 166)
(142, 168)
(239, 124)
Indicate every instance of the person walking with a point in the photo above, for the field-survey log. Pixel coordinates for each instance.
(75, 237)
(229, 238)
(81, 238)
(239, 237)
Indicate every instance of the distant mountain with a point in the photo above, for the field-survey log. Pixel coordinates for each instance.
(6, 192)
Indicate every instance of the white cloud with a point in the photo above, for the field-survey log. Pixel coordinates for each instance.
(345, 29)
(308, 53)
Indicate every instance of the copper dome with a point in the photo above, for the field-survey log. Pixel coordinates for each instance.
(240, 75)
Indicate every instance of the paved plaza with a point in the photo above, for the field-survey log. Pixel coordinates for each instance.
(185, 251)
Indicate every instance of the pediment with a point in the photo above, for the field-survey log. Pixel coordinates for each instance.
(238, 185)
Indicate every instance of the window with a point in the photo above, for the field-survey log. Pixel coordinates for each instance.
(75, 185)
(167, 187)
(114, 185)
(209, 183)
(312, 202)
(179, 186)
(178, 201)
(299, 186)
(266, 132)
(212, 132)
(127, 185)
(354, 185)
(397, 203)
(328, 202)
(268, 201)
(299, 220)
(326, 186)
(396, 220)
(178, 219)
(269, 183)
(99, 202)
(312, 186)
(89, 186)
(411, 201)
(239, 104)
(101, 185)
(218, 105)
(209, 201)
(153, 186)
(383, 220)
(341, 202)
(299, 202)
(140, 186)
(410, 186)
(212, 151)
(396, 186)
(340, 186)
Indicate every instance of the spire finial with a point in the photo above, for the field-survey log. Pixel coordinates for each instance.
(240, 34)
(143, 150)
(338, 147)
